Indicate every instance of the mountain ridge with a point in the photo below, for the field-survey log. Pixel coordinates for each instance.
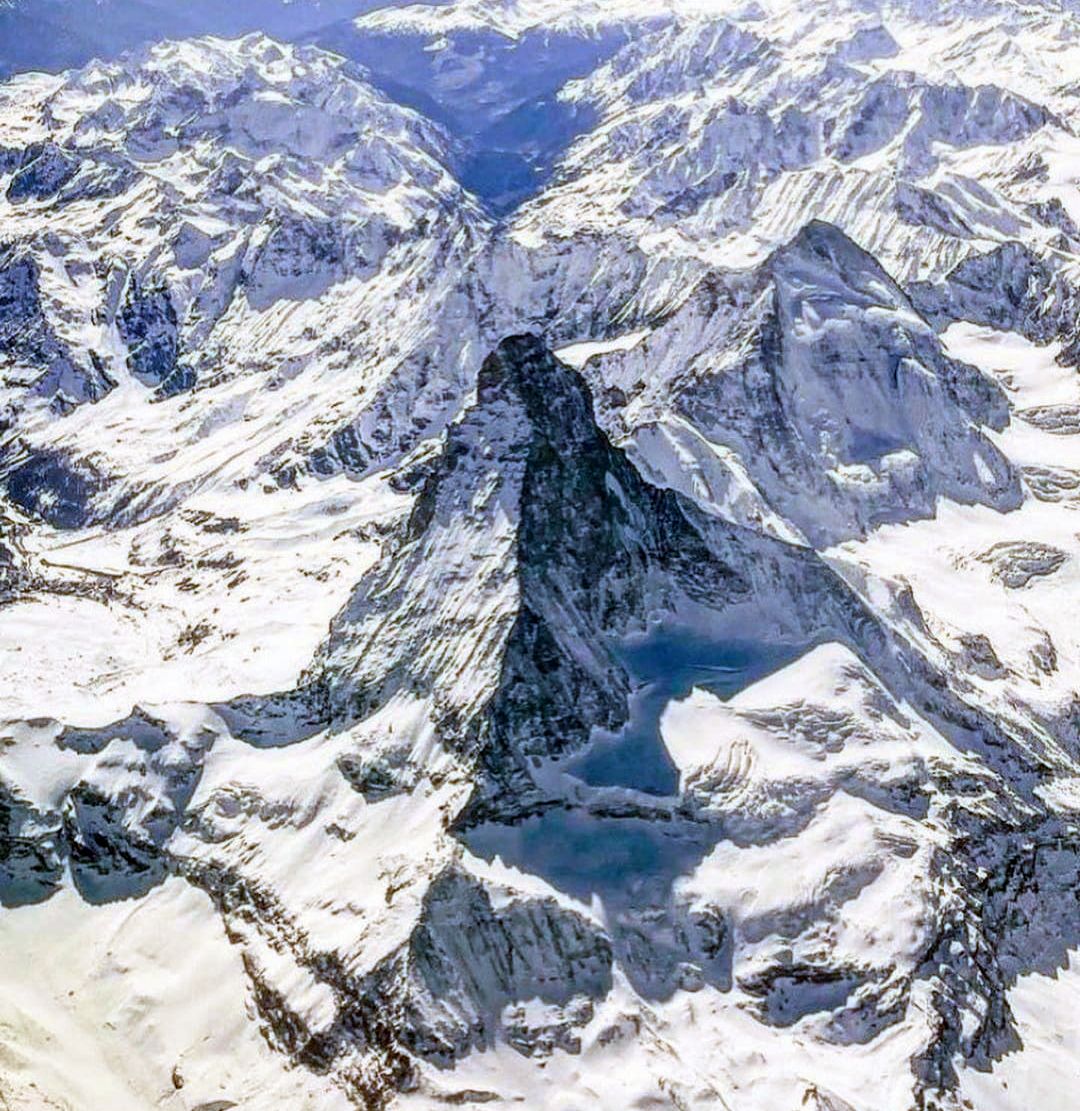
(540, 572)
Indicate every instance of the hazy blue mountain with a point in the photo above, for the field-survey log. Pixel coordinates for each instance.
(59, 34)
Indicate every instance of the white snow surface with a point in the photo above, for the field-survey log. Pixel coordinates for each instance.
(281, 825)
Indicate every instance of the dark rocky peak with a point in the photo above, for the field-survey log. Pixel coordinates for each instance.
(47, 172)
(527, 479)
(555, 400)
(546, 535)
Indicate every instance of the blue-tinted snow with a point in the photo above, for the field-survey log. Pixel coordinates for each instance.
(667, 664)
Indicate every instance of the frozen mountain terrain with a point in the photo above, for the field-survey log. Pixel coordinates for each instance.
(52, 35)
(536, 547)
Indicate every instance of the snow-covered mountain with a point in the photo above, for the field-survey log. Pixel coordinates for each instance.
(52, 35)
(537, 547)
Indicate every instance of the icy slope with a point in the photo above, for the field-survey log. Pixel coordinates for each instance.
(814, 383)
(244, 218)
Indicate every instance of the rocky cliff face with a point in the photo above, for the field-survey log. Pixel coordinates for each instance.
(822, 384)
(540, 572)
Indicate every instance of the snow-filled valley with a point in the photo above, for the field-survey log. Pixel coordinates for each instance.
(539, 555)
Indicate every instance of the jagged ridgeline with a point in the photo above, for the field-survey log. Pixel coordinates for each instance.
(540, 547)
(55, 35)
(528, 513)
(538, 555)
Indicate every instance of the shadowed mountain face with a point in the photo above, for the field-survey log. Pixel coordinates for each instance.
(533, 518)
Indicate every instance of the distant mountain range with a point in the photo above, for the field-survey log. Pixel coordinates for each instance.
(52, 35)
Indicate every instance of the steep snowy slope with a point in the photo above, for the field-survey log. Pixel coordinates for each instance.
(815, 380)
(573, 583)
(244, 237)
(616, 653)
